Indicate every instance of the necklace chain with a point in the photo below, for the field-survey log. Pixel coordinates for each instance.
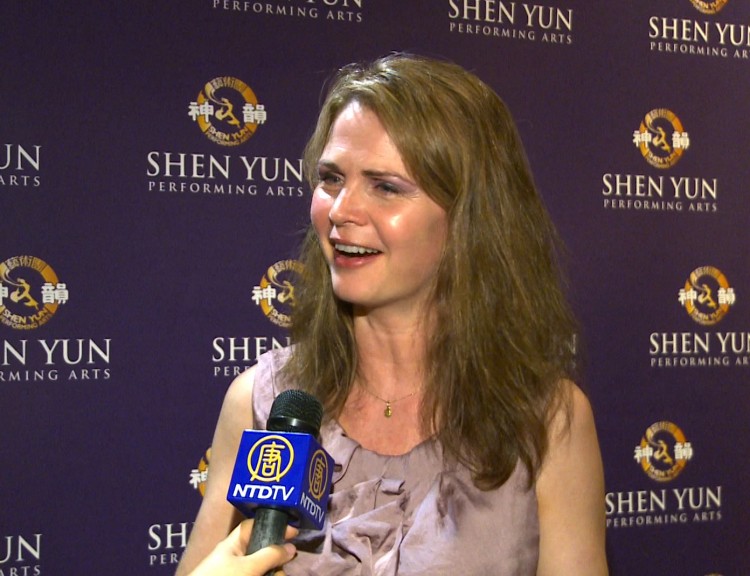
(388, 412)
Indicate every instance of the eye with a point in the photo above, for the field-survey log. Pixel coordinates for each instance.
(387, 187)
(329, 179)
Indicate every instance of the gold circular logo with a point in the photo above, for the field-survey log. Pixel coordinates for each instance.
(30, 292)
(708, 7)
(318, 475)
(663, 451)
(227, 111)
(707, 295)
(199, 476)
(275, 293)
(661, 138)
(270, 458)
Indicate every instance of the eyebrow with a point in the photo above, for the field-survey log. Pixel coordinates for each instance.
(376, 174)
(329, 165)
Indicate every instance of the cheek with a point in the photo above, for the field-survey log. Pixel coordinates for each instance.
(320, 207)
(433, 241)
(433, 230)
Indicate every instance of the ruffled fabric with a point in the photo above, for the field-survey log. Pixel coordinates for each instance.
(409, 514)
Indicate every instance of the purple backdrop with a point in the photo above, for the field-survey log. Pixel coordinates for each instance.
(151, 203)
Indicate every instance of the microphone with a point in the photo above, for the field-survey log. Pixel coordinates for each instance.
(283, 475)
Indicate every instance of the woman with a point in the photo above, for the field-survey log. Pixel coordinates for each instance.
(432, 324)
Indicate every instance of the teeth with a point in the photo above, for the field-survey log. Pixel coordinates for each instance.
(354, 249)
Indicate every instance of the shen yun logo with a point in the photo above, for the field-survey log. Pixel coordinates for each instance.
(333, 10)
(519, 21)
(227, 111)
(707, 295)
(703, 37)
(30, 292)
(275, 293)
(199, 475)
(21, 555)
(662, 141)
(19, 166)
(663, 453)
(661, 138)
(709, 7)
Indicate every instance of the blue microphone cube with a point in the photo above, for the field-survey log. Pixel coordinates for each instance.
(286, 470)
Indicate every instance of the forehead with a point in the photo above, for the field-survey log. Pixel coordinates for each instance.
(357, 130)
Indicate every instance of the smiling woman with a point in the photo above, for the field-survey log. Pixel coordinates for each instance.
(432, 324)
(381, 235)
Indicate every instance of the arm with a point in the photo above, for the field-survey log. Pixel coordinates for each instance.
(217, 517)
(570, 493)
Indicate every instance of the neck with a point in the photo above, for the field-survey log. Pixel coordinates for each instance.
(391, 369)
(391, 355)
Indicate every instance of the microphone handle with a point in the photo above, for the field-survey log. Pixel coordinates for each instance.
(269, 527)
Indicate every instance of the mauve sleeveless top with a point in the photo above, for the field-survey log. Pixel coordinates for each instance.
(409, 514)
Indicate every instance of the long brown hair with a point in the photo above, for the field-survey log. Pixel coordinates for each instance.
(504, 329)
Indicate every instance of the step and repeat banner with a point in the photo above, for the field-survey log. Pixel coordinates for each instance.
(152, 201)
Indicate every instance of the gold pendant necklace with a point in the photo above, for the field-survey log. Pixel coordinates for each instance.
(388, 412)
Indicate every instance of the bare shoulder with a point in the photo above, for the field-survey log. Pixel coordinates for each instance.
(240, 391)
(216, 517)
(573, 417)
(570, 492)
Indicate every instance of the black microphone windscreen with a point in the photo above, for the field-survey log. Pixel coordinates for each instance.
(295, 411)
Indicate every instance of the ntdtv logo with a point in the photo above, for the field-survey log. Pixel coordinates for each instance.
(289, 470)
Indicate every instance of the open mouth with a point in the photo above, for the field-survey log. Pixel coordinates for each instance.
(354, 251)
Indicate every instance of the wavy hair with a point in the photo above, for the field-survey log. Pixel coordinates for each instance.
(504, 329)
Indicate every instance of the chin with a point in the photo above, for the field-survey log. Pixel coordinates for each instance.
(350, 297)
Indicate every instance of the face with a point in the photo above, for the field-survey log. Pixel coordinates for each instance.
(381, 234)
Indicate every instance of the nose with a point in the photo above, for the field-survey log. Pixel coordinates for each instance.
(348, 207)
